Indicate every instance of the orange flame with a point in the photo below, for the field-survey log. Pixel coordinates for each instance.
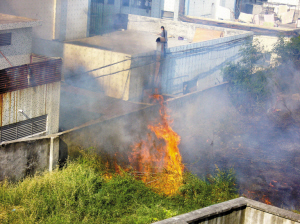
(159, 164)
(266, 200)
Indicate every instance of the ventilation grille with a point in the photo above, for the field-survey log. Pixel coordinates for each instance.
(24, 128)
(29, 75)
(5, 39)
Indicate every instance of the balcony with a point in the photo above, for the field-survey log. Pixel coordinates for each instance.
(41, 71)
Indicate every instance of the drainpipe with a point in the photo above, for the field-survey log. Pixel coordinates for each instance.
(51, 153)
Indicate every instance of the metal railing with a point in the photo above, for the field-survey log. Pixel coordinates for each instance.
(30, 75)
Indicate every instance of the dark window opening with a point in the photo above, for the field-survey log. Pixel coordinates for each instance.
(98, 1)
(125, 2)
(143, 4)
(5, 39)
(23, 129)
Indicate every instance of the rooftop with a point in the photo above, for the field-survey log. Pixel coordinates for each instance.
(128, 42)
(8, 22)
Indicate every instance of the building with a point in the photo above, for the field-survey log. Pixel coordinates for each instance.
(123, 63)
(29, 84)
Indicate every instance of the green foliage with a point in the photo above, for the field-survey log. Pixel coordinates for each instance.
(218, 188)
(81, 193)
(248, 79)
(288, 51)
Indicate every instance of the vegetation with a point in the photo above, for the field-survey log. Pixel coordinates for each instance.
(85, 191)
(249, 78)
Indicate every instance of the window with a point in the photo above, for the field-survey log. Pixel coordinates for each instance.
(5, 39)
(98, 1)
(111, 2)
(24, 128)
(126, 2)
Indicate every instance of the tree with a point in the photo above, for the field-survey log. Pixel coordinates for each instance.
(248, 79)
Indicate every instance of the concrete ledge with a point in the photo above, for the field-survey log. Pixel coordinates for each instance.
(239, 203)
(8, 22)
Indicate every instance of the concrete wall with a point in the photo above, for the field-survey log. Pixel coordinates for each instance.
(200, 61)
(237, 211)
(258, 216)
(34, 9)
(18, 53)
(74, 19)
(207, 9)
(62, 19)
(84, 58)
(21, 158)
(34, 101)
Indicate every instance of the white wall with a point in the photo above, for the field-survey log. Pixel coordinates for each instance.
(169, 5)
(207, 8)
(62, 19)
(18, 53)
(34, 9)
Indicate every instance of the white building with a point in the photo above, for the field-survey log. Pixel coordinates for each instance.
(29, 85)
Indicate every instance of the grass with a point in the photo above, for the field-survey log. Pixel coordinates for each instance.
(84, 192)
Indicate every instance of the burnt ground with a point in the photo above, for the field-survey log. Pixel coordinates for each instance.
(263, 149)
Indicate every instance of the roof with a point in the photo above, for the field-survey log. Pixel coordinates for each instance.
(287, 29)
(8, 22)
(130, 42)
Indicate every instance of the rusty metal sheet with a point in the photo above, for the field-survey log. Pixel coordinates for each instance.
(30, 75)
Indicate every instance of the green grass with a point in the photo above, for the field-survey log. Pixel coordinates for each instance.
(80, 193)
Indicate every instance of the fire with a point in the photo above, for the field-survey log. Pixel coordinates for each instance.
(266, 200)
(157, 160)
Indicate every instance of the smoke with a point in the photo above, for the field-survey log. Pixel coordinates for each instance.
(262, 146)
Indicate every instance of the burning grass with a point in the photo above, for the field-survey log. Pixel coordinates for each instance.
(159, 165)
(86, 191)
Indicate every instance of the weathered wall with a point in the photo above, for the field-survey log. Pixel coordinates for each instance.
(34, 101)
(237, 211)
(84, 58)
(258, 216)
(18, 53)
(201, 62)
(34, 9)
(74, 14)
(21, 158)
(62, 19)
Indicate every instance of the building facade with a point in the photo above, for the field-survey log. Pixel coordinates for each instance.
(29, 84)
